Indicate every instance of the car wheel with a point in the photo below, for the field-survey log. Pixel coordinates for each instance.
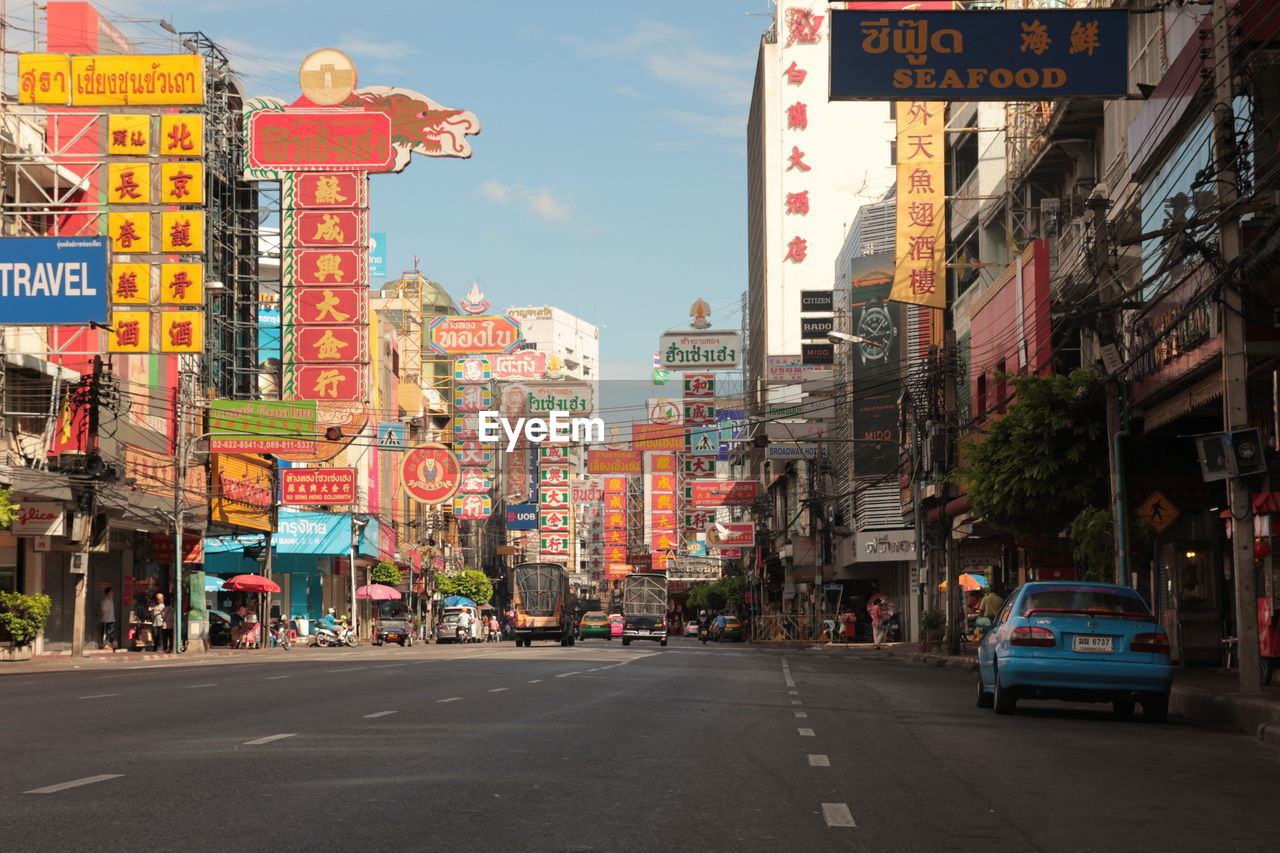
(1155, 707)
(986, 698)
(626, 642)
(1005, 701)
(1268, 666)
(1123, 709)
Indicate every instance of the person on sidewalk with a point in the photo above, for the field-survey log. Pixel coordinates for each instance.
(848, 625)
(879, 616)
(107, 618)
(991, 604)
(159, 627)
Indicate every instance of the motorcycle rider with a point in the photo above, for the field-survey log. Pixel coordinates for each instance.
(328, 620)
(704, 623)
(464, 624)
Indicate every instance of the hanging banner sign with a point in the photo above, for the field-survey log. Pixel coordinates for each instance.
(430, 473)
(723, 492)
(317, 485)
(615, 462)
(526, 364)
(791, 370)
(265, 426)
(700, 350)
(919, 275)
(815, 328)
(473, 507)
(657, 437)
(994, 56)
(522, 517)
(699, 385)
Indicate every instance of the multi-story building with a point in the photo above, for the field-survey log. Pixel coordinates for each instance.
(571, 341)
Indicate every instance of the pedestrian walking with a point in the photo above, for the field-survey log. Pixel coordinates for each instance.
(849, 625)
(107, 619)
(879, 617)
(159, 624)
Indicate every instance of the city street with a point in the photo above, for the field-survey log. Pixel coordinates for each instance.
(599, 747)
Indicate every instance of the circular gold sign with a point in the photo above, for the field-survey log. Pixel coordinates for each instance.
(327, 77)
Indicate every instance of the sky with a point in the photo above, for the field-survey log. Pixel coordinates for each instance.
(609, 178)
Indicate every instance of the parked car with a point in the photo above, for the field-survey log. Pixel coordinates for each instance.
(396, 627)
(595, 624)
(615, 625)
(725, 628)
(691, 628)
(219, 628)
(1076, 641)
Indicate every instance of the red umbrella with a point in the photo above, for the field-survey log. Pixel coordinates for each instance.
(251, 583)
(378, 592)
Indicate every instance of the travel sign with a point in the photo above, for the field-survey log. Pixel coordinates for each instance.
(992, 56)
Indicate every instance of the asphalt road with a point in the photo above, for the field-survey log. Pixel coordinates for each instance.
(596, 747)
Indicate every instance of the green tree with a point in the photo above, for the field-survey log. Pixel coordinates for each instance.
(1034, 469)
(7, 508)
(705, 596)
(23, 617)
(468, 583)
(385, 573)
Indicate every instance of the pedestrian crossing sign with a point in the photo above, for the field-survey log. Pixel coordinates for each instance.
(1158, 511)
(703, 442)
(391, 436)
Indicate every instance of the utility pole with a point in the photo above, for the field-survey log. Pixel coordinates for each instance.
(1235, 368)
(179, 503)
(86, 508)
(950, 422)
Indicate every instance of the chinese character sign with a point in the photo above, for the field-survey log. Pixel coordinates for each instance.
(921, 256)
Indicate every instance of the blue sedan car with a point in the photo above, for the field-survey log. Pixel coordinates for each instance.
(1084, 642)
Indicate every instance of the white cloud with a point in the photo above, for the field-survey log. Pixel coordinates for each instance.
(629, 92)
(542, 201)
(496, 191)
(544, 205)
(357, 45)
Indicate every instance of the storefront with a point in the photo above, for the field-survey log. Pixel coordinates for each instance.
(883, 562)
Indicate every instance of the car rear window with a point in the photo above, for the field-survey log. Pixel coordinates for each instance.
(1096, 601)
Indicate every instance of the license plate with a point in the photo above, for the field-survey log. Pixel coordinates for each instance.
(1092, 644)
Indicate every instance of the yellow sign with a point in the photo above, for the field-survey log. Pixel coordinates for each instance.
(1158, 511)
(43, 78)
(181, 136)
(128, 133)
(129, 183)
(130, 233)
(182, 182)
(182, 231)
(920, 256)
(182, 284)
(131, 332)
(151, 80)
(241, 492)
(131, 284)
(182, 331)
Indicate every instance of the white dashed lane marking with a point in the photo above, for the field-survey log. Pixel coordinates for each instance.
(98, 696)
(819, 761)
(268, 739)
(837, 814)
(497, 689)
(806, 732)
(379, 714)
(450, 699)
(194, 686)
(566, 674)
(74, 783)
(276, 677)
(802, 715)
(536, 681)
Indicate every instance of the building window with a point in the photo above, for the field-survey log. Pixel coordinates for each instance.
(980, 401)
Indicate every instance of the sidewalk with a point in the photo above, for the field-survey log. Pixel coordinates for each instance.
(1201, 696)
(94, 658)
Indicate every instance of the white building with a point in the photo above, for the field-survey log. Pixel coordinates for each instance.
(573, 341)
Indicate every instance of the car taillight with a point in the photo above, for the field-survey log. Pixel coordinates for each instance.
(1030, 635)
(1157, 644)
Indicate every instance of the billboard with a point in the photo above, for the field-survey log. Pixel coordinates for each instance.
(241, 491)
(430, 473)
(876, 379)
(378, 254)
(615, 462)
(262, 426)
(995, 56)
(522, 517)
(48, 281)
(111, 81)
(317, 486)
(466, 335)
(710, 350)
(723, 492)
(791, 370)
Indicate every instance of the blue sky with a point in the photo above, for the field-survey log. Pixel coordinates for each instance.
(609, 178)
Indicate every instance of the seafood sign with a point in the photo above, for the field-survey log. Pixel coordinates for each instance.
(956, 56)
(466, 335)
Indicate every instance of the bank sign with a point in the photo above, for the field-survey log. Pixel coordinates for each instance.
(977, 56)
(49, 281)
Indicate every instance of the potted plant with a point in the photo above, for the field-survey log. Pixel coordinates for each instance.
(22, 618)
(932, 623)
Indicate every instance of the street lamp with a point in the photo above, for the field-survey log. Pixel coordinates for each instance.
(842, 338)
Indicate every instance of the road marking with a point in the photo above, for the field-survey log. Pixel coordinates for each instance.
(349, 669)
(806, 732)
(275, 677)
(793, 692)
(536, 681)
(796, 702)
(837, 814)
(194, 686)
(802, 715)
(450, 699)
(380, 714)
(567, 674)
(262, 740)
(597, 669)
(98, 696)
(126, 675)
(497, 690)
(819, 761)
(390, 666)
(75, 783)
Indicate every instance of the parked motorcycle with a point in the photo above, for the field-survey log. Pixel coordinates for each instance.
(324, 637)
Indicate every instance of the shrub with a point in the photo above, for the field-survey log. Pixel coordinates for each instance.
(23, 617)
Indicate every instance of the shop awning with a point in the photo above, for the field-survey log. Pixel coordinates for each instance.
(1184, 402)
